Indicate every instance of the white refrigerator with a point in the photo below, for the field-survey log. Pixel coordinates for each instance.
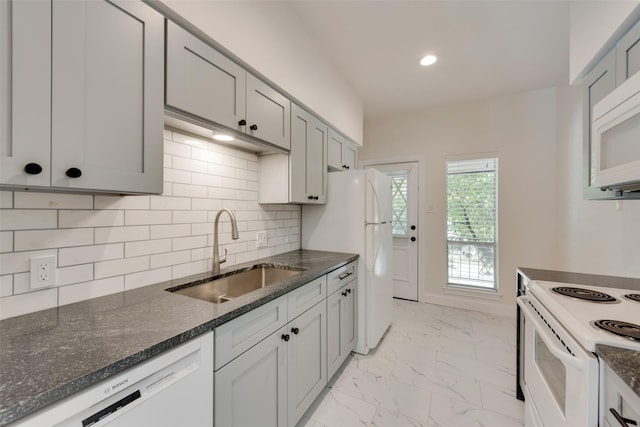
(357, 219)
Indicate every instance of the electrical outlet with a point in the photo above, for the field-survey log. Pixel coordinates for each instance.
(261, 239)
(43, 272)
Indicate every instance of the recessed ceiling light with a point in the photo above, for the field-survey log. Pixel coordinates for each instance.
(222, 137)
(428, 60)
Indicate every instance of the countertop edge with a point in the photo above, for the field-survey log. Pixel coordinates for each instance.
(624, 363)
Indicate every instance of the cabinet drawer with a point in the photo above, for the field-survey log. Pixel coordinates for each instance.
(240, 334)
(343, 275)
(305, 297)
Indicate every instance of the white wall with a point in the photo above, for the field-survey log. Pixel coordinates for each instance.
(593, 27)
(592, 236)
(522, 129)
(269, 37)
(107, 244)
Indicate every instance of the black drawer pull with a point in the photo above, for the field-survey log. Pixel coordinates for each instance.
(345, 275)
(32, 168)
(624, 422)
(73, 173)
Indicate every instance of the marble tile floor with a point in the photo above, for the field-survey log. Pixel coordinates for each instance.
(436, 366)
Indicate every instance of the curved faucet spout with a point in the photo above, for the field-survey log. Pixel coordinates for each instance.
(215, 268)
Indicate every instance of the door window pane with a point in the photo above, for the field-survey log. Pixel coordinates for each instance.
(399, 197)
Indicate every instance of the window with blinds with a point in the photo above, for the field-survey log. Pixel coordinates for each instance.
(472, 222)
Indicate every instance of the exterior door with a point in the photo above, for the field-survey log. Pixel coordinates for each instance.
(404, 190)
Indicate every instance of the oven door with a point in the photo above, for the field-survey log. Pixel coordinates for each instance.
(561, 378)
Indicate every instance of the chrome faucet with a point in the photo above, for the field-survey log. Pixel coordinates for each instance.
(215, 268)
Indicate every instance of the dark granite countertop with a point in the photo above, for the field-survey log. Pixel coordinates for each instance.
(48, 355)
(625, 363)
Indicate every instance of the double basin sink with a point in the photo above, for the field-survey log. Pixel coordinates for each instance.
(236, 283)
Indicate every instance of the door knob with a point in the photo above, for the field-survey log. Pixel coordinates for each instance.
(413, 227)
(413, 239)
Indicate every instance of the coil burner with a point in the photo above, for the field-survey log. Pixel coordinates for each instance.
(584, 294)
(633, 297)
(623, 329)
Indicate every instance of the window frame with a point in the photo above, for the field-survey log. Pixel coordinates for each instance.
(493, 156)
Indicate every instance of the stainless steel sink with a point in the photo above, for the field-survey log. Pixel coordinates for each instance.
(236, 284)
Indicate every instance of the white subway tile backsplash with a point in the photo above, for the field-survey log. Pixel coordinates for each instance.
(18, 305)
(167, 231)
(24, 219)
(6, 285)
(18, 262)
(92, 218)
(148, 247)
(122, 202)
(86, 254)
(121, 234)
(6, 199)
(96, 288)
(147, 217)
(119, 267)
(180, 217)
(74, 274)
(190, 165)
(192, 242)
(144, 278)
(6, 241)
(107, 243)
(31, 200)
(183, 190)
(46, 239)
(170, 203)
(170, 258)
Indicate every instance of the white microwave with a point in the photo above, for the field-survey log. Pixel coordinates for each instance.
(615, 143)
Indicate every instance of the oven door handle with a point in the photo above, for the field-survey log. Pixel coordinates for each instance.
(550, 340)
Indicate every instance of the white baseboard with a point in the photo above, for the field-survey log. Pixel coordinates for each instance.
(468, 304)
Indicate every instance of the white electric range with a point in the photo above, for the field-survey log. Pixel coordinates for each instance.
(563, 324)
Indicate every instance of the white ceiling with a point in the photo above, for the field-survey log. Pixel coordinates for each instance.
(486, 48)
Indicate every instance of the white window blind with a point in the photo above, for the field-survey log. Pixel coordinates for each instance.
(472, 222)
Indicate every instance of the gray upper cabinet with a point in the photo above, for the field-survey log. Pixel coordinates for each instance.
(107, 115)
(628, 55)
(25, 88)
(342, 154)
(204, 84)
(91, 76)
(596, 85)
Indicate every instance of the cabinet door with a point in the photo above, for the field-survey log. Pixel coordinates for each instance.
(252, 389)
(336, 144)
(308, 158)
(596, 85)
(107, 85)
(335, 302)
(268, 113)
(306, 358)
(348, 319)
(350, 156)
(628, 55)
(202, 82)
(25, 92)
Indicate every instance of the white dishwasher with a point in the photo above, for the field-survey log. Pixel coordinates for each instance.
(172, 389)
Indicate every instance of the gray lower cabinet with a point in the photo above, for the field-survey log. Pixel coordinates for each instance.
(204, 84)
(341, 325)
(83, 108)
(277, 379)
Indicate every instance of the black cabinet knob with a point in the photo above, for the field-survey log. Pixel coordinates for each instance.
(413, 239)
(413, 227)
(315, 197)
(73, 173)
(310, 197)
(285, 337)
(253, 127)
(344, 294)
(242, 122)
(32, 168)
(295, 331)
(348, 291)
